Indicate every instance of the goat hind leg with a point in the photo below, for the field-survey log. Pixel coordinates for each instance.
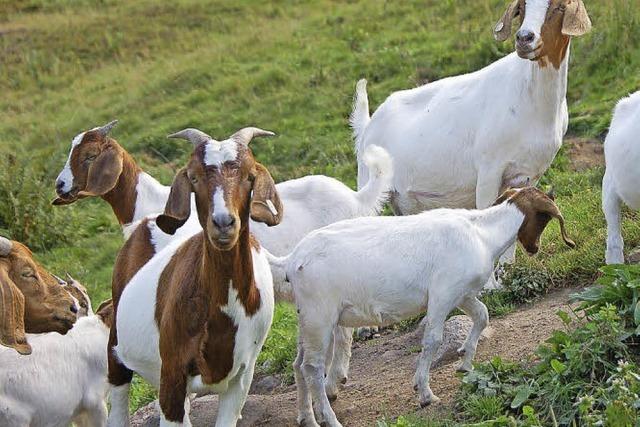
(340, 355)
(431, 341)
(611, 205)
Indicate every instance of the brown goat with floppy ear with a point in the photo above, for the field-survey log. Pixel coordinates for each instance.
(31, 299)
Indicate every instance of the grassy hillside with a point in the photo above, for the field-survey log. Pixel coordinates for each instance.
(288, 66)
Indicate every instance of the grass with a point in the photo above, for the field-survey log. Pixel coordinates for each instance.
(289, 66)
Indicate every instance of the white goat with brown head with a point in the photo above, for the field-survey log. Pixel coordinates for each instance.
(208, 302)
(31, 299)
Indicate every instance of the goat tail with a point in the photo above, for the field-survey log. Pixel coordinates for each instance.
(282, 289)
(376, 191)
(359, 120)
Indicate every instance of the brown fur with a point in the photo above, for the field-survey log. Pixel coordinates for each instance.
(538, 209)
(195, 284)
(135, 253)
(102, 168)
(31, 300)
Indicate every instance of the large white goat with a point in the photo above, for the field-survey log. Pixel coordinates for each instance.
(620, 183)
(380, 270)
(460, 141)
(63, 380)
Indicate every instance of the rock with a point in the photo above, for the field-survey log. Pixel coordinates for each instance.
(203, 413)
(456, 329)
(264, 385)
(634, 256)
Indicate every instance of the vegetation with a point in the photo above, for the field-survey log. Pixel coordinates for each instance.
(289, 66)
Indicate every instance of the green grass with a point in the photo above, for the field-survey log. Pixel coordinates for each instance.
(289, 66)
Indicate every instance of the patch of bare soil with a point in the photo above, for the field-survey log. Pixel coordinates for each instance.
(584, 153)
(380, 382)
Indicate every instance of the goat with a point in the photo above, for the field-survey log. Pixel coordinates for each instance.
(620, 182)
(64, 380)
(209, 300)
(31, 299)
(380, 270)
(460, 141)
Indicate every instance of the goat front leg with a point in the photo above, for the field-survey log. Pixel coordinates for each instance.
(480, 316)
(119, 399)
(233, 399)
(95, 416)
(174, 401)
(611, 205)
(340, 356)
(120, 380)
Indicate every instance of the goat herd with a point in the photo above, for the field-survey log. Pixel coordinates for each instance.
(194, 284)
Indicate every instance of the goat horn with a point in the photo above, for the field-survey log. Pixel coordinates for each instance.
(195, 136)
(5, 246)
(70, 279)
(104, 130)
(60, 280)
(245, 135)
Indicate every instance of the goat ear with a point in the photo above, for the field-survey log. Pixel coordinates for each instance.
(104, 172)
(178, 207)
(12, 332)
(60, 202)
(265, 203)
(105, 312)
(576, 21)
(502, 30)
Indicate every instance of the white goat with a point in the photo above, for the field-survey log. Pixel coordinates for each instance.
(64, 380)
(460, 141)
(380, 270)
(620, 183)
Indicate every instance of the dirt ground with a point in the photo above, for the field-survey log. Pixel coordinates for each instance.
(380, 382)
(584, 153)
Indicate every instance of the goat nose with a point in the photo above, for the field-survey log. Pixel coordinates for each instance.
(525, 37)
(59, 185)
(223, 221)
(73, 309)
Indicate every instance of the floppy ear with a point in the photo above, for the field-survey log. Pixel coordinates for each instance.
(502, 30)
(60, 202)
(576, 21)
(12, 315)
(265, 203)
(105, 312)
(104, 172)
(178, 207)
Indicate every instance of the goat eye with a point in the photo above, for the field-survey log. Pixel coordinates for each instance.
(193, 179)
(91, 158)
(28, 274)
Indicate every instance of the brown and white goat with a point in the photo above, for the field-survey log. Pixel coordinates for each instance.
(195, 317)
(99, 167)
(31, 299)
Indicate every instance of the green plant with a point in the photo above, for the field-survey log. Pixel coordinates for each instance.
(619, 286)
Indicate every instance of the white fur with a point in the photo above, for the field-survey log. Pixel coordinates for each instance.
(218, 152)
(380, 270)
(151, 196)
(535, 14)
(138, 335)
(620, 183)
(66, 175)
(458, 141)
(64, 380)
(219, 204)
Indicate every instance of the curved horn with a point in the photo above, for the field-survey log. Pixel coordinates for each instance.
(245, 135)
(104, 130)
(553, 210)
(5, 246)
(60, 280)
(195, 136)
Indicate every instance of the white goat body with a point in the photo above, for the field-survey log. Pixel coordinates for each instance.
(620, 182)
(380, 270)
(458, 142)
(64, 380)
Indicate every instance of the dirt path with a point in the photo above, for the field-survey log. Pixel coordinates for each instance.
(380, 384)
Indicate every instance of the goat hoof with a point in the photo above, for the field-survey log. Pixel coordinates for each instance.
(343, 380)
(415, 387)
(461, 351)
(307, 423)
(332, 397)
(432, 399)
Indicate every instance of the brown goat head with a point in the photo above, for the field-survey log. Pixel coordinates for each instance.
(93, 168)
(546, 28)
(229, 187)
(31, 299)
(538, 209)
